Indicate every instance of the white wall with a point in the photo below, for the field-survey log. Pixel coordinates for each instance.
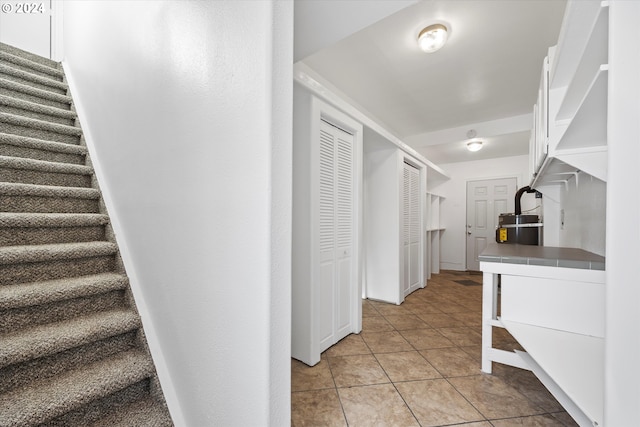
(27, 31)
(453, 207)
(622, 345)
(584, 204)
(382, 210)
(188, 106)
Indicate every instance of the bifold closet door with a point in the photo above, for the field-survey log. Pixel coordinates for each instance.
(411, 227)
(336, 234)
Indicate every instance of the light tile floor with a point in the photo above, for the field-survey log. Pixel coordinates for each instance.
(418, 364)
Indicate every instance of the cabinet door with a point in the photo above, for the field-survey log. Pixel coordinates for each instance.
(336, 181)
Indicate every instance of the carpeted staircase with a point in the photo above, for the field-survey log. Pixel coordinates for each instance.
(72, 348)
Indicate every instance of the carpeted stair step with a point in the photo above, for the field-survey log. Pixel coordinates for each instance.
(38, 149)
(50, 398)
(45, 340)
(17, 228)
(19, 60)
(32, 94)
(19, 375)
(57, 303)
(17, 75)
(40, 172)
(145, 412)
(28, 55)
(19, 264)
(25, 126)
(20, 107)
(47, 199)
(45, 292)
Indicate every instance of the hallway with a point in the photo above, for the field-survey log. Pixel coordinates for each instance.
(418, 364)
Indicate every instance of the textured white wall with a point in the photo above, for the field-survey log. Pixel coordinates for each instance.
(188, 104)
(453, 208)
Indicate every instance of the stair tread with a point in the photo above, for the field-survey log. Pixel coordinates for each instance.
(47, 339)
(43, 292)
(29, 219)
(39, 124)
(35, 107)
(146, 412)
(55, 252)
(30, 90)
(20, 60)
(55, 396)
(35, 78)
(25, 141)
(18, 189)
(15, 51)
(43, 166)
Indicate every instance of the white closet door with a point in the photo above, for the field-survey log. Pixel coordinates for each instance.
(411, 228)
(336, 234)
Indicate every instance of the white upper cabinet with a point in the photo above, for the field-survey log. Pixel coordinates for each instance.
(576, 106)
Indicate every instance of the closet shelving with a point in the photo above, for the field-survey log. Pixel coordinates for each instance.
(577, 107)
(435, 228)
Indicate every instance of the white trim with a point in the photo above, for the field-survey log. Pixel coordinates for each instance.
(303, 75)
(155, 347)
(57, 27)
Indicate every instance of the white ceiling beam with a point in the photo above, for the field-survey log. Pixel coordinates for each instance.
(487, 129)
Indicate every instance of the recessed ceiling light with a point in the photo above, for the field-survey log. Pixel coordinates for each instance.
(432, 38)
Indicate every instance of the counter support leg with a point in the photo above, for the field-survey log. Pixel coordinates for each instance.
(489, 313)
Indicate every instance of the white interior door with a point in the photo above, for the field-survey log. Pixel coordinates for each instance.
(336, 234)
(486, 200)
(411, 228)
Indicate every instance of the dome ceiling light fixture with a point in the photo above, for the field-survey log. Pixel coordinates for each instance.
(432, 38)
(474, 144)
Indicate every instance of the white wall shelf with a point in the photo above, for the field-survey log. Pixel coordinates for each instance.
(593, 58)
(588, 127)
(577, 103)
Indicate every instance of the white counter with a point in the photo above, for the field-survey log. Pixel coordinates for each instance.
(552, 303)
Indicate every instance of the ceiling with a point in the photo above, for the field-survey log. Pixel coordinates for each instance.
(485, 78)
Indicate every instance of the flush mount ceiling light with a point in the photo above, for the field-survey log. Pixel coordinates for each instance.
(432, 38)
(473, 144)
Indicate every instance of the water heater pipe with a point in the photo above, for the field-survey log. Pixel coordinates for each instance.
(519, 194)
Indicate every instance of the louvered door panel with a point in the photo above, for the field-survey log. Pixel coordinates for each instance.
(326, 286)
(415, 229)
(344, 231)
(335, 233)
(344, 192)
(411, 227)
(326, 192)
(406, 225)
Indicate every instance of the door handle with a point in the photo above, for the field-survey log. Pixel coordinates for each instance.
(469, 233)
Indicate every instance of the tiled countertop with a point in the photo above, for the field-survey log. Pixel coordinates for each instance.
(542, 255)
